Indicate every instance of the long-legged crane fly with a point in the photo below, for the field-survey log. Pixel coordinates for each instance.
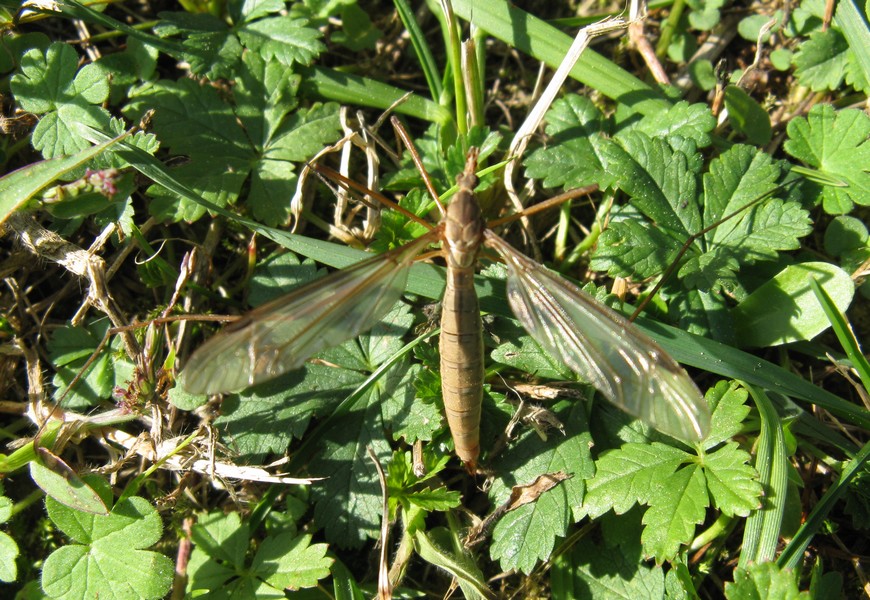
(630, 369)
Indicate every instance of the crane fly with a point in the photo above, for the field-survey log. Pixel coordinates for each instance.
(630, 369)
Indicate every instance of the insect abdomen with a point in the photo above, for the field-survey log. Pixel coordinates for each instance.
(462, 363)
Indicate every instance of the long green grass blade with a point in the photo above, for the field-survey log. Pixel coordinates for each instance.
(761, 534)
(544, 42)
(844, 333)
(421, 47)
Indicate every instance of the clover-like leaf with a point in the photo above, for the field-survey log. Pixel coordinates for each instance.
(110, 560)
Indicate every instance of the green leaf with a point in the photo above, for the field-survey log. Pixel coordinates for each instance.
(70, 348)
(574, 159)
(253, 141)
(732, 482)
(340, 446)
(735, 180)
(835, 143)
(728, 400)
(764, 580)
(8, 548)
(656, 177)
(358, 33)
(747, 116)
(678, 506)
(264, 419)
(525, 354)
(629, 476)
(8, 554)
(111, 561)
(659, 179)
(460, 566)
(844, 234)
(820, 62)
(404, 487)
(224, 539)
(21, 185)
(785, 309)
(524, 536)
(290, 562)
(48, 85)
(286, 39)
(677, 486)
(62, 484)
(220, 565)
(277, 275)
(683, 120)
(611, 569)
(629, 248)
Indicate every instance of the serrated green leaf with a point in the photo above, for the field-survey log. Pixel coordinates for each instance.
(835, 143)
(288, 561)
(659, 180)
(218, 562)
(732, 482)
(677, 507)
(264, 94)
(752, 231)
(820, 61)
(785, 309)
(629, 476)
(340, 447)
(285, 38)
(524, 536)
(728, 400)
(222, 537)
(574, 159)
(254, 140)
(603, 571)
(305, 133)
(629, 248)
(208, 44)
(113, 563)
(683, 120)
(264, 419)
(48, 85)
(764, 580)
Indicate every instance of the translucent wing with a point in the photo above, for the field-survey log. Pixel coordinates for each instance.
(280, 335)
(630, 369)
